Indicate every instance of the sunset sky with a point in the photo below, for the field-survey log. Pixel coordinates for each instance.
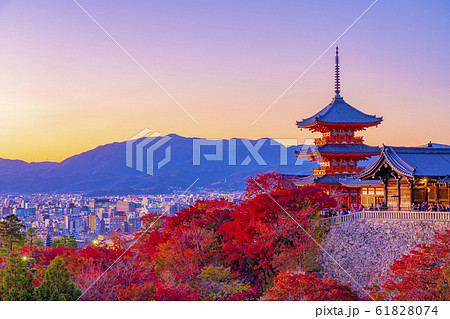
(66, 87)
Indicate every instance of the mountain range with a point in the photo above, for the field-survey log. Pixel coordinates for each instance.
(103, 170)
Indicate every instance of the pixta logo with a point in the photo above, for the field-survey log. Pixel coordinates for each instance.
(252, 151)
(142, 148)
(149, 151)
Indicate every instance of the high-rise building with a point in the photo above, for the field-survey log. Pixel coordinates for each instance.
(117, 224)
(125, 206)
(92, 221)
(134, 223)
(102, 204)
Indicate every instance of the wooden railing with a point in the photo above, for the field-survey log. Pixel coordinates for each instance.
(384, 215)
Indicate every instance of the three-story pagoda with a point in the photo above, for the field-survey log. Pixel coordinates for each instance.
(338, 150)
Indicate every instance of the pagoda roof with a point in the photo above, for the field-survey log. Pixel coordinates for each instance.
(339, 112)
(321, 179)
(345, 149)
(412, 162)
(345, 180)
(355, 182)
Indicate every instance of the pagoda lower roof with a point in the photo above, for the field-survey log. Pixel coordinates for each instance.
(339, 112)
(356, 182)
(341, 149)
(321, 179)
(345, 180)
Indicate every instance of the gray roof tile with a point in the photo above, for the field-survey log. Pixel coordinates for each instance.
(340, 112)
(413, 161)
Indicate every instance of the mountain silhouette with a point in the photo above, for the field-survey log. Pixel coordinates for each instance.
(103, 170)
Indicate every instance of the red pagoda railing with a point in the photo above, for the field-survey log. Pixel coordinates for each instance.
(338, 140)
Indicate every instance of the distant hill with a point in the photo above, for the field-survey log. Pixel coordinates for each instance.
(435, 145)
(103, 170)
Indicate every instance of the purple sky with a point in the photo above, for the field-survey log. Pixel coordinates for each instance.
(66, 87)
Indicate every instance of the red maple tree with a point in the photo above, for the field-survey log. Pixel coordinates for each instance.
(288, 286)
(424, 274)
(213, 250)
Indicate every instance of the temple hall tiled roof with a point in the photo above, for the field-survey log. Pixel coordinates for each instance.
(340, 112)
(413, 162)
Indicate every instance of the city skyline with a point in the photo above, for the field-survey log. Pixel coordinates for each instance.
(66, 87)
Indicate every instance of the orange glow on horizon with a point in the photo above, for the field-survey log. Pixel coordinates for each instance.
(67, 88)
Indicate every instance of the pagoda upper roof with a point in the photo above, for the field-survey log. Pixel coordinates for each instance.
(412, 162)
(339, 112)
(350, 149)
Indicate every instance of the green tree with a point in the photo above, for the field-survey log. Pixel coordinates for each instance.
(57, 285)
(38, 242)
(31, 236)
(16, 280)
(58, 242)
(72, 242)
(11, 231)
(68, 242)
(220, 285)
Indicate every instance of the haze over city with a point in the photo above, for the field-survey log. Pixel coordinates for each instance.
(66, 87)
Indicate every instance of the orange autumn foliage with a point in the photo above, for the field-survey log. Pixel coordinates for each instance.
(288, 286)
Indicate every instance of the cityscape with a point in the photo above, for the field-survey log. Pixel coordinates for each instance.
(89, 220)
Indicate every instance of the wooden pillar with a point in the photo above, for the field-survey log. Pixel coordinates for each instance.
(398, 193)
(385, 181)
(437, 192)
(411, 196)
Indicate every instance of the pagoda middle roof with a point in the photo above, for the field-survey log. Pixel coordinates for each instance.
(340, 112)
(341, 149)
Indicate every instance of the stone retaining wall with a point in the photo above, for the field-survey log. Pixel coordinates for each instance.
(366, 248)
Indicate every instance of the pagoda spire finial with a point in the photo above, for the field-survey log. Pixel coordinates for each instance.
(337, 89)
